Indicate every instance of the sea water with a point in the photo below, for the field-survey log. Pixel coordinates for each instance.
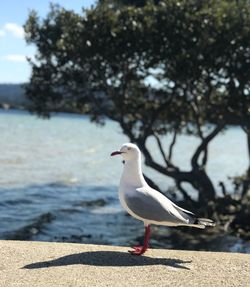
(59, 183)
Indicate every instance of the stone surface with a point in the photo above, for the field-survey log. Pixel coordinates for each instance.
(64, 264)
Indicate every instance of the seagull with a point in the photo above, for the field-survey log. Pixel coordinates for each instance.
(147, 204)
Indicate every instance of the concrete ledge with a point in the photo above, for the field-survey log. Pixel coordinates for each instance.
(64, 264)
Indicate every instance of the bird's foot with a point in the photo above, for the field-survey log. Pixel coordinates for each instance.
(138, 250)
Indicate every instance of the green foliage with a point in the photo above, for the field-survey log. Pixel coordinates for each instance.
(155, 67)
(196, 52)
(120, 3)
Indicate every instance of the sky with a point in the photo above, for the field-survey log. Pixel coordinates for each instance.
(13, 48)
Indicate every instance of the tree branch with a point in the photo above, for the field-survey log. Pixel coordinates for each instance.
(184, 193)
(167, 162)
(205, 156)
(175, 173)
(172, 145)
(203, 146)
(197, 119)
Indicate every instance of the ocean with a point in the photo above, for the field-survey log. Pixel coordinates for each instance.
(59, 183)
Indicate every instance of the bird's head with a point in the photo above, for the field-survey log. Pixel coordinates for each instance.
(128, 151)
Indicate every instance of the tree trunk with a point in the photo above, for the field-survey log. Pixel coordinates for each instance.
(246, 181)
(248, 148)
(202, 183)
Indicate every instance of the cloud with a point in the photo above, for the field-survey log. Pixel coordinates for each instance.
(2, 33)
(15, 58)
(14, 29)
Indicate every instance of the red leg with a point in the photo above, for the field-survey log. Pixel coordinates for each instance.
(138, 250)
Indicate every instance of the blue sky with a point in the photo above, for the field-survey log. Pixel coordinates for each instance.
(13, 49)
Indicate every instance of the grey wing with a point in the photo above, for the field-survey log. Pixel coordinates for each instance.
(153, 206)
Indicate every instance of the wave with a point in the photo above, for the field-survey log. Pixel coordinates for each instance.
(28, 231)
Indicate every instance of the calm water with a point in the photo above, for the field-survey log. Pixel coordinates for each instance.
(58, 182)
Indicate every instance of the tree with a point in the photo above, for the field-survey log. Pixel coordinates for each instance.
(164, 68)
(120, 3)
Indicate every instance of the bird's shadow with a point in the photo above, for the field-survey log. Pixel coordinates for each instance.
(108, 258)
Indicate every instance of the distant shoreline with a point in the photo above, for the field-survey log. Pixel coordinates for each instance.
(22, 110)
(13, 96)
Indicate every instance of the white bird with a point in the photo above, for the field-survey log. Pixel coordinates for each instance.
(147, 204)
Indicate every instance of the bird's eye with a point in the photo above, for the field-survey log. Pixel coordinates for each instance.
(129, 148)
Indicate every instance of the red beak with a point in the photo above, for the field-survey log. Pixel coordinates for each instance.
(115, 153)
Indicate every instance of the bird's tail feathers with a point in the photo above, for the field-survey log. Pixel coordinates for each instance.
(201, 222)
(193, 220)
(201, 226)
(205, 222)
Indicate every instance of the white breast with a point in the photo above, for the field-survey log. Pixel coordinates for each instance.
(131, 179)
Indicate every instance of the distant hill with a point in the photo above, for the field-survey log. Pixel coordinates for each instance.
(12, 96)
